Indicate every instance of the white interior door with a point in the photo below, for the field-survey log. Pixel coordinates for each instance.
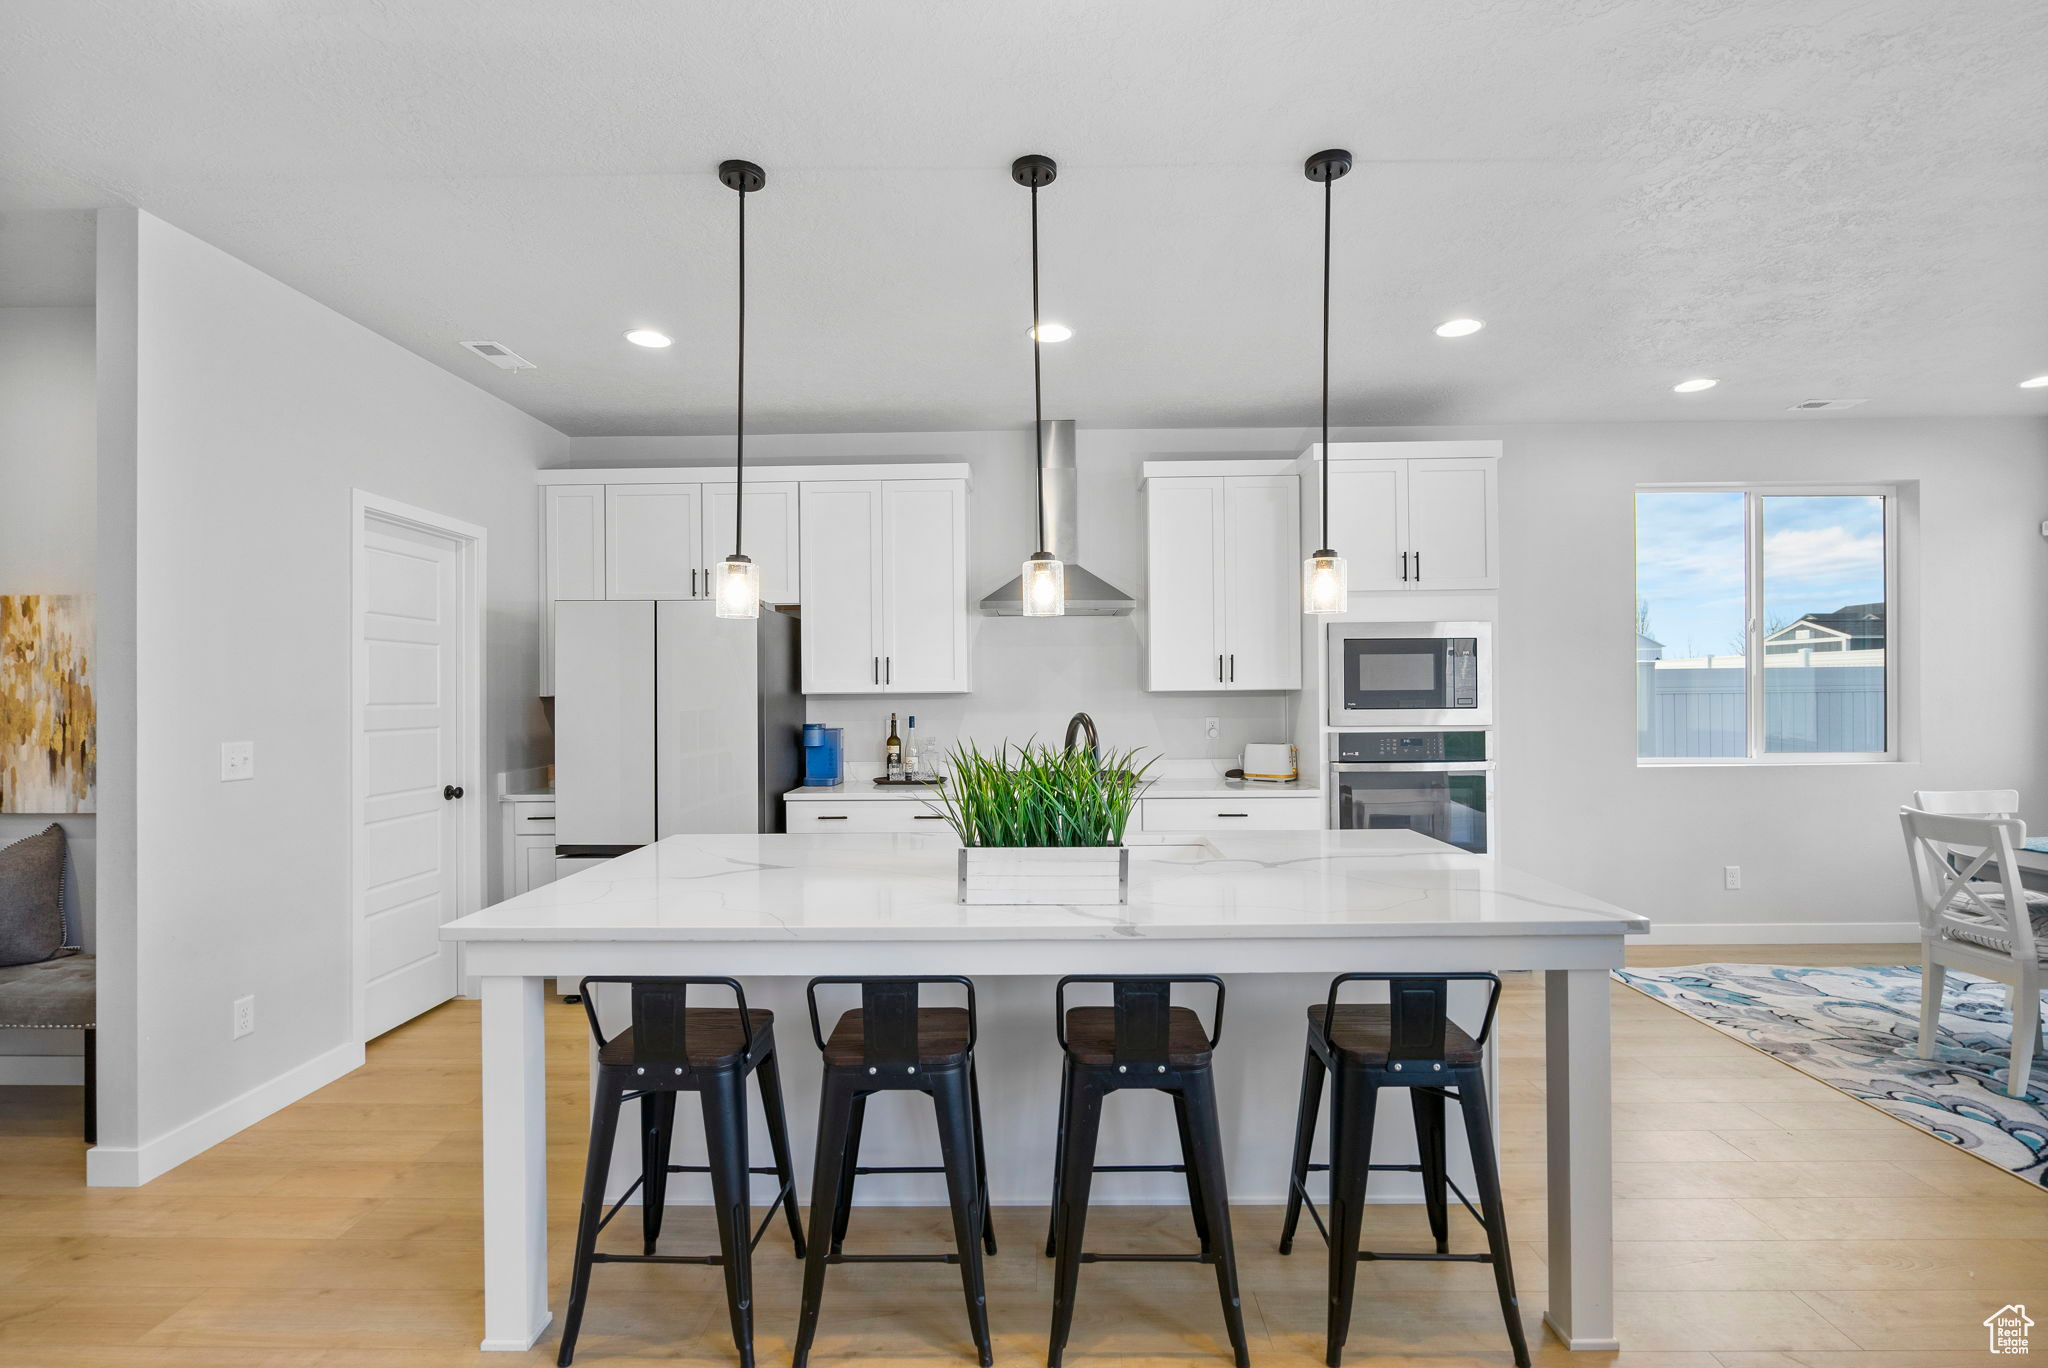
(414, 742)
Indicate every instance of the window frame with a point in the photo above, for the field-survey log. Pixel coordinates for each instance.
(1753, 633)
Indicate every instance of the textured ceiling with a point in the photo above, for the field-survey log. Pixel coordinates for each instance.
(1804, 198)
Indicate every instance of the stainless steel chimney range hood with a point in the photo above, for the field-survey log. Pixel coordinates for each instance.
(1088, 594)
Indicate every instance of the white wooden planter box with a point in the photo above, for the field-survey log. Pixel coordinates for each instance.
(1092, 876)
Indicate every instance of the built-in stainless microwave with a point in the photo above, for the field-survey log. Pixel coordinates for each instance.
(1411, 674)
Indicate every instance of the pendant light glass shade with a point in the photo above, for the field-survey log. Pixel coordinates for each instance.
(1045, 586)
(736, 588)
(1325, 585)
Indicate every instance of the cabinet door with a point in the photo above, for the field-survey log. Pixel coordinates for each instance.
(572, 559)
(535, 861)
(1184, 584)
(1369, 521)
(1261, 582)
(924, 586)
(1451, 524)
(770, 533)
(840, 533)
(653, 541)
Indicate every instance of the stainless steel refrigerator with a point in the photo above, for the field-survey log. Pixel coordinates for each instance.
(671, 719)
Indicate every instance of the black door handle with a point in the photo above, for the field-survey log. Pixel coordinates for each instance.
(451, 791)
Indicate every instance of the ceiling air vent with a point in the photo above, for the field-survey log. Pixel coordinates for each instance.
(1805, 404)
(500, 355)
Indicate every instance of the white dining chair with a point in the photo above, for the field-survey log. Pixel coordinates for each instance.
(1969, 802)
(1963, 884)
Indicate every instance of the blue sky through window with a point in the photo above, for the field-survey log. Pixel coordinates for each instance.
(1821, 552)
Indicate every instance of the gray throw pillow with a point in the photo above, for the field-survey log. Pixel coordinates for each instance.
(32, 898)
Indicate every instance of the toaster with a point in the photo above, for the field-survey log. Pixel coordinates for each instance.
(1273, 762)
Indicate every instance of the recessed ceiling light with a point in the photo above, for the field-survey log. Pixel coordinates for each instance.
(2038, 382)
(1050, 332)
(1694, 386)
(648, 337)
(1459, 327)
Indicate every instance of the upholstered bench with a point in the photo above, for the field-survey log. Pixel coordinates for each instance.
(55, 995)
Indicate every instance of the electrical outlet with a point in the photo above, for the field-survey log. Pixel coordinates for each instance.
(1731, 876)
(245, 1016)
(237, 760)
(1215, 725)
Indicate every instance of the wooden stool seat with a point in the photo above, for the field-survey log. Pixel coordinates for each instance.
(713, 1034)
(942, 1035)
(1363, 1032)
(1091, 1037)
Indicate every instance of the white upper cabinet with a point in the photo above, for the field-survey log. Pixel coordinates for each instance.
(771, 533)
(1184, 583)
(1452, 516)
(1223, 582)
(840, 532)
(572, 559)
(654, 545)
(1407, 521)
(924, 586)
(886, 586)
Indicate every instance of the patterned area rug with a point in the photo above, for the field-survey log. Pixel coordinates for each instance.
(1856, 1030)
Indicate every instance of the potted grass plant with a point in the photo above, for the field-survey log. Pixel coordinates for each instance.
(1042, 825)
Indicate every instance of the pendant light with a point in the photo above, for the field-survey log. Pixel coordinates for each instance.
(736, 585)
(1044, 579)
(1324, 587)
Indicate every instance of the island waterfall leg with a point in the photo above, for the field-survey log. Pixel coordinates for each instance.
(515, 1163)
(1580, 1125)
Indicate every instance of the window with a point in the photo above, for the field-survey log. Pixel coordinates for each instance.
(1762, 622)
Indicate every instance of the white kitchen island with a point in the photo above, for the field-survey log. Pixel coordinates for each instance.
(1255, 907)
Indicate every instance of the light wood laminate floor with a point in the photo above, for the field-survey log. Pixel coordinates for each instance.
(1763, 1220)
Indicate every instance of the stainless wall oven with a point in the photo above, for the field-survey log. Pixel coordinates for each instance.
(1437, 783)
(1411, 674)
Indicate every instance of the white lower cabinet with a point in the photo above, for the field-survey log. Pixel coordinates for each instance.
(1231, 814)
(825, 818)
(529, 845)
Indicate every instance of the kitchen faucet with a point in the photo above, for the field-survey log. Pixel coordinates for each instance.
(1082, 722)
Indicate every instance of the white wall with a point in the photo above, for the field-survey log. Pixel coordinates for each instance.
(255, 412)
(1818, 845)
(46, 547)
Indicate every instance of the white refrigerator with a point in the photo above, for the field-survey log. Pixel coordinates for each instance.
(670, 719)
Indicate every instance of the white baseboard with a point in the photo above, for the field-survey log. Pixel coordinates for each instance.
(1783, 933)
(111, 1166)
(42, 1071)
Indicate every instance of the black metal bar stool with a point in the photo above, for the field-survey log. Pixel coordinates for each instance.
(892, 1044)
(1140, 1041)
(671, 1048)
(1409, 1042)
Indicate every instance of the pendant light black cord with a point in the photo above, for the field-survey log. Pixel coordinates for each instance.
(739, 448)
(1037, 382)
(1326, 365)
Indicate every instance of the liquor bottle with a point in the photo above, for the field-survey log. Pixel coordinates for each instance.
(912, 765)
(893, 750)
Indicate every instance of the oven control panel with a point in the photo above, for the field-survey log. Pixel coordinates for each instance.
(1397, 748)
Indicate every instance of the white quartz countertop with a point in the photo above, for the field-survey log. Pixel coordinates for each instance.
(1254, 885)
(864, 790)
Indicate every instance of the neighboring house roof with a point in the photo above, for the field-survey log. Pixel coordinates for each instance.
(1853, 622)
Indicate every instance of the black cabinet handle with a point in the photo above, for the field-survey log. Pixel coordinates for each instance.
(1219, 669)
(458, 794)
(888, 669)
(1404, 567)
(451, 792)
(831, 819)
(878, 668)
(1418, 567)
(693, 582)
(1233, 814)
(927, 817)
(1233, 667)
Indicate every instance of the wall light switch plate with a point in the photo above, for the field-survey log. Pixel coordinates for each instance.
(237, 760)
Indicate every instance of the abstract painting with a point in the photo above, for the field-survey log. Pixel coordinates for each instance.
(47, 752)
